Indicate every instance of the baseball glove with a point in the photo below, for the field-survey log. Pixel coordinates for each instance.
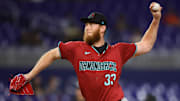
(20, 86)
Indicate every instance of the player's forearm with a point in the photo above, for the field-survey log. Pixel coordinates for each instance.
(43, 63)
(150, 35)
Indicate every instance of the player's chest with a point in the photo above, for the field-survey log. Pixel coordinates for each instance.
(90, 60)
(89, 54)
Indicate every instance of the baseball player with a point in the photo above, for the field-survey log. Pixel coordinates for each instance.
(98, 65)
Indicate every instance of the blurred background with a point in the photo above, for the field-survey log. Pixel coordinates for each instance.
(28, 28)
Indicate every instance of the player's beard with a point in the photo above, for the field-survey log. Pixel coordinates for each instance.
(95, 37)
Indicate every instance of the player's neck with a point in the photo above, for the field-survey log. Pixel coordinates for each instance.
(99, 43)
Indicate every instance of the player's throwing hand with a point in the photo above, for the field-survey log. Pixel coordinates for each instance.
(155, 10)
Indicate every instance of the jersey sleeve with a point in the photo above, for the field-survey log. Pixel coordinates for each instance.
(66, 50)
(127, 50)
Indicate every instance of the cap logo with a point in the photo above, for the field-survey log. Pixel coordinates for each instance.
(91, 15)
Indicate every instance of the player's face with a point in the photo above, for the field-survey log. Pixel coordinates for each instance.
(91, 33)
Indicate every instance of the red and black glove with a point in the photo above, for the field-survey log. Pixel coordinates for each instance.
(20, 86)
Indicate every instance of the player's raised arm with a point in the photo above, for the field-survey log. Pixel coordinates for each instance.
(45, 60)
(149, 38)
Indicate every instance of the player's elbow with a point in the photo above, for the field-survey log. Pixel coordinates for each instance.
(147, 49)
(148, 45)
(143, 48)
(47, 56)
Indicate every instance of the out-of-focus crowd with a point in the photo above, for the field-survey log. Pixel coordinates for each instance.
(57, 89)
(45, 22)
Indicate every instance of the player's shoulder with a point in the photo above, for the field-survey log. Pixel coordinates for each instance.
(78, 42)
(75, 43)
(119, 44)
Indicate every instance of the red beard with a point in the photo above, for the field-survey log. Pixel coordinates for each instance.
(92, 39)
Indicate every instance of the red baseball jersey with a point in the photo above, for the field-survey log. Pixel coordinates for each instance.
(98, 74)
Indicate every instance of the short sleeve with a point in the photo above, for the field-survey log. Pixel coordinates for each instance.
(66, 50)
(127, 50)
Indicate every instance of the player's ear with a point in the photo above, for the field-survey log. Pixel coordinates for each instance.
(102, 28)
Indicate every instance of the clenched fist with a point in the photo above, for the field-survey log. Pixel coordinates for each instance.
(155, 10)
